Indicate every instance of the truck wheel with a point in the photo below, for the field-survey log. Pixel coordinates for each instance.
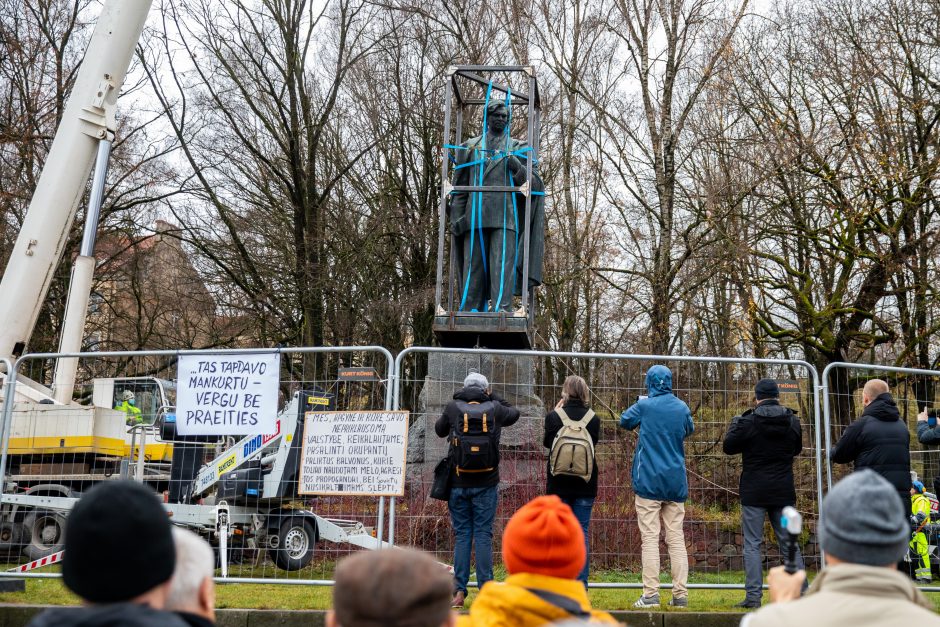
(11, 539)
(44, 533)
(296, 538)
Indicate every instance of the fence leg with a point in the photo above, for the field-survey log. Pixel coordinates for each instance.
(391, 521)
(141, 455)
(6, 419)
(381, 522)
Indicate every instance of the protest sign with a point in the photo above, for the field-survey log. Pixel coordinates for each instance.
(354, 452)
(227, 394)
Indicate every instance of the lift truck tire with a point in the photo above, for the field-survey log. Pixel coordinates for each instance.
(44, 533)
(11, 539)
(296, 538)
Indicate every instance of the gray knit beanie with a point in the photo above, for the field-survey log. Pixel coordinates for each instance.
(476, 380)
(862, 521)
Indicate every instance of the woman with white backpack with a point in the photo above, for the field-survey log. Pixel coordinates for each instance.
(571, 433)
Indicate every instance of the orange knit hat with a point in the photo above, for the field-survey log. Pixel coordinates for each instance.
(544, 538)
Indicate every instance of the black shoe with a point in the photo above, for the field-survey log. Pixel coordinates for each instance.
(748, 604)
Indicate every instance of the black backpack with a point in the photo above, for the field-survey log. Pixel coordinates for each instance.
(475, 447)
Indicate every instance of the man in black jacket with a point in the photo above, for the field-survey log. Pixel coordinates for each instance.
(928, 434)
(119, 558)
(472, 502)
(767, 437)
(879, 440)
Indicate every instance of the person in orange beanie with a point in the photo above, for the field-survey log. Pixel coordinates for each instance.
(543, 551)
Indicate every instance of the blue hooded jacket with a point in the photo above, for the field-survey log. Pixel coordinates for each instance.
(659, 459)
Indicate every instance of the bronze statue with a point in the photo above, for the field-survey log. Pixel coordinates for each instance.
(488, 227)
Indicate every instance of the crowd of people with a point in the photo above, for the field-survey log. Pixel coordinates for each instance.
(768, 437)
(130, 566)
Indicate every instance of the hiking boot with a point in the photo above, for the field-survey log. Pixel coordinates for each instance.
(459, 598)
(678, 602)
(749, 604)
(645, 601)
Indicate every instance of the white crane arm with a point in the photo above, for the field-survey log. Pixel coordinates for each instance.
(88, 118)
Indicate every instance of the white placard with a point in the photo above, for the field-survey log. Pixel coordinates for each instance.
(229, 394)
(354, 452)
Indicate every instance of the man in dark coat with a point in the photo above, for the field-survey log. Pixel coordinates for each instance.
(119, 558)
(472, 502)
(879, 440)
(489, 227)
(928, 434)
(767, 437)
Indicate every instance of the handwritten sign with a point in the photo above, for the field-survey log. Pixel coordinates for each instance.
(354, 452)
(227, 394)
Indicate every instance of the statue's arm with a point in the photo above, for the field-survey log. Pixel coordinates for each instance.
(457, 203)
(517, 163)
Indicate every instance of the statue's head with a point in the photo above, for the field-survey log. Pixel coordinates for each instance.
(497, 116)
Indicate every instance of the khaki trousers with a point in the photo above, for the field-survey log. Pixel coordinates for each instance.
(647, 514)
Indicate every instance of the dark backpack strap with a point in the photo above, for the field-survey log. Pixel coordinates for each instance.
(561, 601)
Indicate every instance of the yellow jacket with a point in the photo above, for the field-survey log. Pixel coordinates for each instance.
(520, 601)
(920, 503)
(132, 413)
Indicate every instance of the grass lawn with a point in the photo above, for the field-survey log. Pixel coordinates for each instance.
(300, 597)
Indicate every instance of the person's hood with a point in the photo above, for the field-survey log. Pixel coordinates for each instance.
(883, 408)
(514, 604)
(470, 394)
(868, 581)
(658, 381)
(110, 615)
(772, 418)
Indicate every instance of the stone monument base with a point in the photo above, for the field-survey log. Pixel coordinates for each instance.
(499, 330)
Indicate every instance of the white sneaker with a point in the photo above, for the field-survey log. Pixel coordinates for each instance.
(645, 601)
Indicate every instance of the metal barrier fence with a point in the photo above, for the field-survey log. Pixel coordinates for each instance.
(9, 377)
(266, 532)
(715, 389)
(51, 453)
(912, 389)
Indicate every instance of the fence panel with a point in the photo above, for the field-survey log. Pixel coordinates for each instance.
(8, 376)
(715, 389)
(913, 389)
(55, 452)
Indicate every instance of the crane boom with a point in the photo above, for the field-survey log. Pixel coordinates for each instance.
(88, 118)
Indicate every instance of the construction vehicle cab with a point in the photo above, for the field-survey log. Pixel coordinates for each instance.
(152, 396)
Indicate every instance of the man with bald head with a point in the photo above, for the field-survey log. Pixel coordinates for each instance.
(879, 440)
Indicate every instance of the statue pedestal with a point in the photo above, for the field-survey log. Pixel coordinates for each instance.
(512, 378)
(502, 330)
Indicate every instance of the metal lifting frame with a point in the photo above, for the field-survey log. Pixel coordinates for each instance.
(532, 102)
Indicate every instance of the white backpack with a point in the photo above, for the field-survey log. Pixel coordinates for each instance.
(572, 451)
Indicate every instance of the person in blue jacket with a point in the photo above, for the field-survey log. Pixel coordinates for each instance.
(659, 482)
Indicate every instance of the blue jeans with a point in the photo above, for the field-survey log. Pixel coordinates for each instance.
(752, 523)
(471, 513)
(582, 511)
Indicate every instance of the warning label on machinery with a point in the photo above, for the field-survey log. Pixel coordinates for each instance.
(354, 452)
(227, 394)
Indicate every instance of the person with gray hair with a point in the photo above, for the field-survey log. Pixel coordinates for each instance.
(472, 423)
(860, 585)
(192, 589)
